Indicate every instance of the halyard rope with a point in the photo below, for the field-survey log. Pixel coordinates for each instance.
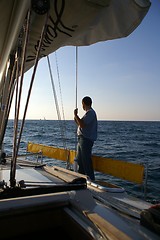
(76, 89)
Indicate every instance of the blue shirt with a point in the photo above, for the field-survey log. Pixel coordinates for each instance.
(90, 125)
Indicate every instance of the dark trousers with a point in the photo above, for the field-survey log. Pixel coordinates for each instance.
(84, 151)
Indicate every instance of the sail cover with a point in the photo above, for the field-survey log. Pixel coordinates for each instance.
(70, 23)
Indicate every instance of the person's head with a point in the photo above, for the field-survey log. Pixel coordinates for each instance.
(86, 103)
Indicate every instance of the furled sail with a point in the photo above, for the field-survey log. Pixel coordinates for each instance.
(76, 23)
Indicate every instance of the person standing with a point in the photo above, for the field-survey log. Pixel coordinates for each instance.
(87, 134)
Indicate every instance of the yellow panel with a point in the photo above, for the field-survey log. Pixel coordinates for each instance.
(49, 151)
(72, 155)
(117, 168)
(121, 169)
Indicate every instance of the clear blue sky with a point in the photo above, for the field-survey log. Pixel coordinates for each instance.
(122, 77)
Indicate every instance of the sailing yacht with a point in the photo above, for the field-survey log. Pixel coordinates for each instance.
(37, 200)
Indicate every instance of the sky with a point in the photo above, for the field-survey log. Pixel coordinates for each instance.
(121, 76)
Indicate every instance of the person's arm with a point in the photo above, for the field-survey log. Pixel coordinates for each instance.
(77, 119)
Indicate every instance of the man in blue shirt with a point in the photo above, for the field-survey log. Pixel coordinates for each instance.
(87, 134)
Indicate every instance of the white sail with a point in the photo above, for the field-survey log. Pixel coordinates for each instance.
(76, 23)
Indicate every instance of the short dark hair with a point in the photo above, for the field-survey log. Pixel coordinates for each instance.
(87, 100)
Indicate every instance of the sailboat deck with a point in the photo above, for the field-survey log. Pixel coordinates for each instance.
(56, 200)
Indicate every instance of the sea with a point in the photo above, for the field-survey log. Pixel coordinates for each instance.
(131, 141)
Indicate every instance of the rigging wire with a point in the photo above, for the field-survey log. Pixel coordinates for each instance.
(54, 90)
(62, 124)
(59, 85)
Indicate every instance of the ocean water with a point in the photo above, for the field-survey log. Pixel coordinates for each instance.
(132, 141)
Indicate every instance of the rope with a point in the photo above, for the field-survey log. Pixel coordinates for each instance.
(13, 165)
(33, 74)
(17, 106)
(76, 89)
(19, 88)
(75, 165)
(76, 75)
